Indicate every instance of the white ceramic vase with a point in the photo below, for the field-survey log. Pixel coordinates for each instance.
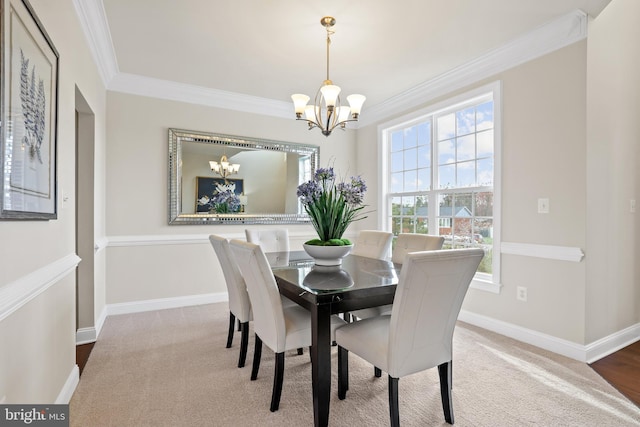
(327, 255)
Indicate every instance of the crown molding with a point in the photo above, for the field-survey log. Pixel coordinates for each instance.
(552, 36)
(174, 91)
(93, 20)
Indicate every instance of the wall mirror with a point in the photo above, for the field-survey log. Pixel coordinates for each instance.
(262, 191)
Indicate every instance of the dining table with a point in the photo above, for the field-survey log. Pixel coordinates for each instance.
(359, 282)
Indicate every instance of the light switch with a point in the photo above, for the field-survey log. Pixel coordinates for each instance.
(543, 205)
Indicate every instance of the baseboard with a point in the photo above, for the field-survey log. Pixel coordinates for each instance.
(69, 386)
(612, 343)
(86, 335)
(588, 354)
(164, 303)
(583, 353)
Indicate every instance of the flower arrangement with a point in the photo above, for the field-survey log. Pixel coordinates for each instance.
(332, 206)
(224, 200)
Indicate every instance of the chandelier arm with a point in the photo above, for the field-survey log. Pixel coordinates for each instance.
(342, 123)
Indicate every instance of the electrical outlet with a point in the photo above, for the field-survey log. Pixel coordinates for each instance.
(521, 293)
(543, 205)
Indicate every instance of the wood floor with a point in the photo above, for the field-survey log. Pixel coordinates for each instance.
(621, 369)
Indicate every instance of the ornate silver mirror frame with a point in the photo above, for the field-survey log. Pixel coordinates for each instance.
(209, 146)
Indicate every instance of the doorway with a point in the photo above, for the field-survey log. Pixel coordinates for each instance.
(85, 235)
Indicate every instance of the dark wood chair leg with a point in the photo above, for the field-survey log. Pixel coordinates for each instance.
(239, 326)
(232, 325)
(394, 411)
(343, 372)
(445, 372)
(377, 372)
(257, 354)
(300, 351)
(244, 343)
(278, 377)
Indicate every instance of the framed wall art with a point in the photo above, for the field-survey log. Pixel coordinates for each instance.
(207, 187)
(29, 114)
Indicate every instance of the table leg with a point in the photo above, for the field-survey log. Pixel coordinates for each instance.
(321, 368)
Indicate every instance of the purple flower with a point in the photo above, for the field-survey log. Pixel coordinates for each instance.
(325, 174)
(332, 206)
(353, 192)
(225, 201)
(309, 191)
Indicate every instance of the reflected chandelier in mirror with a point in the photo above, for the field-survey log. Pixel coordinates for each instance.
(262, 190)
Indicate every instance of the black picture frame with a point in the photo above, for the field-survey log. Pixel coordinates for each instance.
(29, 66)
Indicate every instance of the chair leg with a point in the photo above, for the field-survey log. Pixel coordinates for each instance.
(232, 325)
(343, 372)
(300, 351)
(445, 372)
(244, 343)
(377, 372)
(257, 354)
(239, 326)
(277, 382)
(394, 411)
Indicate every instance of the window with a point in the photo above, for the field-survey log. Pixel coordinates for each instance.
(440, 168)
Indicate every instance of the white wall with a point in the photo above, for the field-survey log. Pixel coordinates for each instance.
(37, 356)
(570, 133)
(148, 259)
(613, 161)
(543, 152)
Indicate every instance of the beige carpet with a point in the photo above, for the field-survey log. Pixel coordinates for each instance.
(171, 368)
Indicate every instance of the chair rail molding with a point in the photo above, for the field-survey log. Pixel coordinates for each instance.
(561, 253)
(18, 293)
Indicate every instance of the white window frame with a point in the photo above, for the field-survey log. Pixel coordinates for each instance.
(481, 281)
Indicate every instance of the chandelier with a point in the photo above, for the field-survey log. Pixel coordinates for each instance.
(327, 113)
(224, 168)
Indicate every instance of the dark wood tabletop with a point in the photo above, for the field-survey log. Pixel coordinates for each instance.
(359, 282)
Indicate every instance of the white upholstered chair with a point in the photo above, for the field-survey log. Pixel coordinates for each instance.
(410, 242)
(418, 335)
(280, 328)
(405, 243)
(373, 244)
(239, 303)
(270, 240)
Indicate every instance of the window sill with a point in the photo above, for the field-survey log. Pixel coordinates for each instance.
(485, 285)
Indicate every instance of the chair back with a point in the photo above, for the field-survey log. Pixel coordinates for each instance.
(410, 242)
(373, 244)
(239, 303)
(276, 240)
(268, 317)
(427, 303)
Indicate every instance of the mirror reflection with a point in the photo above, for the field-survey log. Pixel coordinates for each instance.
(229, 179)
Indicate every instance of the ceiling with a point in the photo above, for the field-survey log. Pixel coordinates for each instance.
(271, 49)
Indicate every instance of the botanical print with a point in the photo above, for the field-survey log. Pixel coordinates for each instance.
(33, 109)
(30, 78)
